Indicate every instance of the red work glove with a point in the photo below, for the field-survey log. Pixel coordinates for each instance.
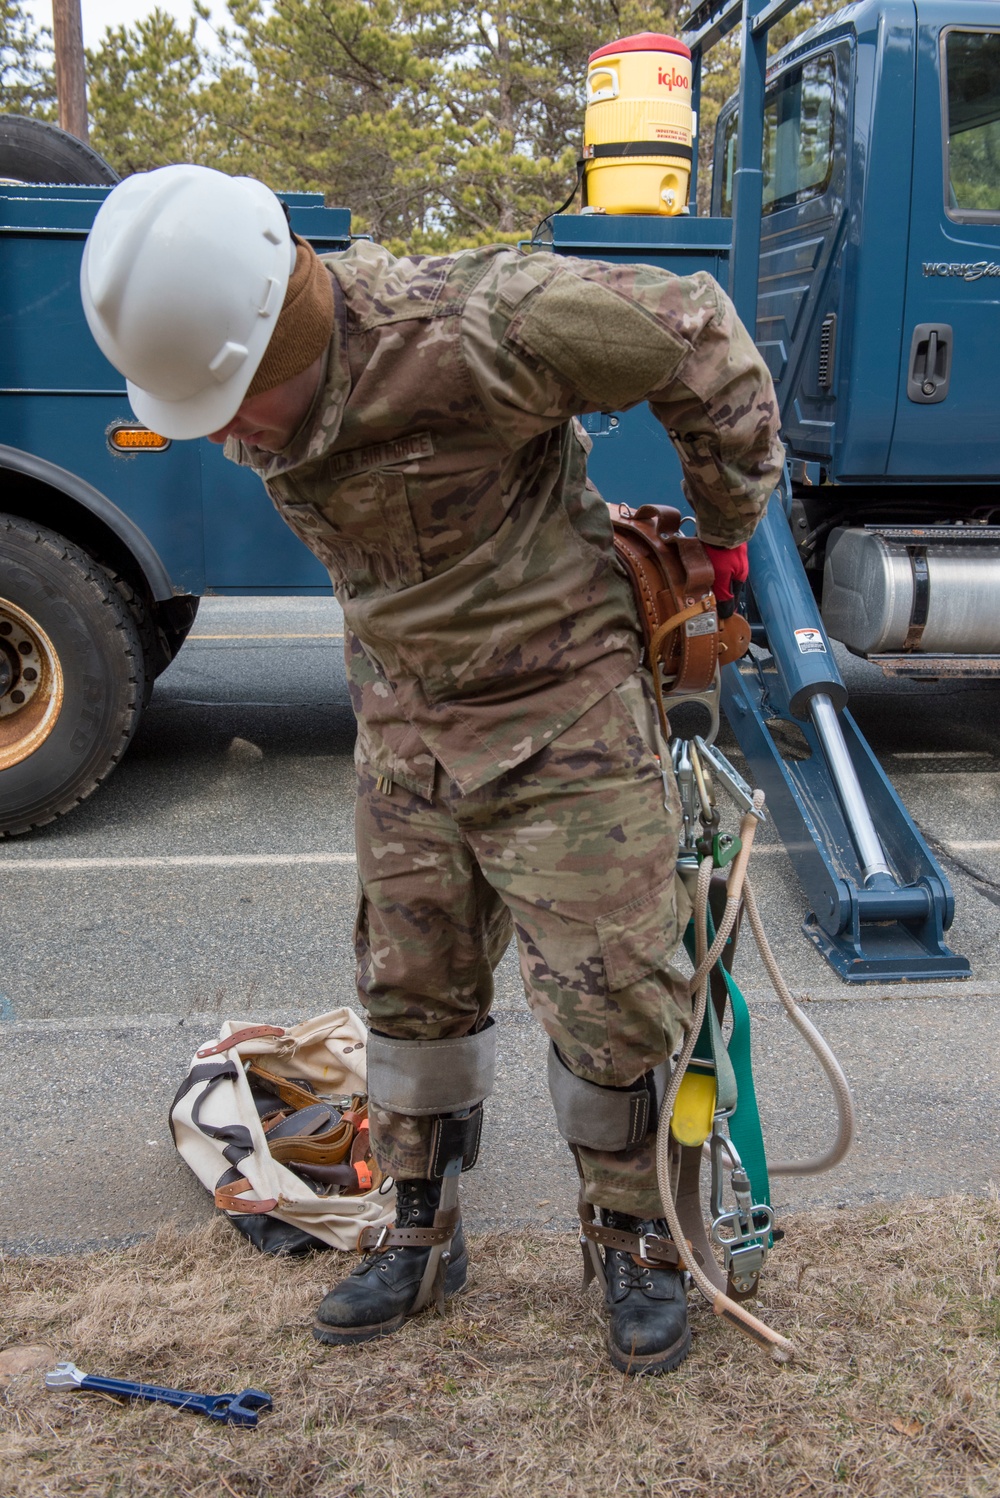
(732, 569)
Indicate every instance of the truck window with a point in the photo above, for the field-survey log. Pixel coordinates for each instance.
(972, 72)
(798, 137)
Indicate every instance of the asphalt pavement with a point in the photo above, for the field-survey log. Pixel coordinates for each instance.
(213, 878)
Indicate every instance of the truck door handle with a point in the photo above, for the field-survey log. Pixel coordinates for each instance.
(930, 363)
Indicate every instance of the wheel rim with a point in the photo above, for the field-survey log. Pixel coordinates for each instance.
(31, 685)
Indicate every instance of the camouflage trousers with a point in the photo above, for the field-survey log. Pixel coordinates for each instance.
(573, 852)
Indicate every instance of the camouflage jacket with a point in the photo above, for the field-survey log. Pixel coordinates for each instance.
(441, 480)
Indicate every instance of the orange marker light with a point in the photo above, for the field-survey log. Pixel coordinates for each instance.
(136, 439)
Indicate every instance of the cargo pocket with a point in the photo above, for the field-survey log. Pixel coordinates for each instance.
(643, 1015)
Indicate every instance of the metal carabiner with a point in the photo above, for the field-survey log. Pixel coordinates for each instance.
(684, 775)
(717, 1144)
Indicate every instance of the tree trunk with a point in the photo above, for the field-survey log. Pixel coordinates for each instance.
(71, 76)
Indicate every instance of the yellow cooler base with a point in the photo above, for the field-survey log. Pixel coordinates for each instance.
(643, 184)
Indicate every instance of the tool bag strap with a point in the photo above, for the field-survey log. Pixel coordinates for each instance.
(230, 1197)
(240, 1037)
(210, 1072)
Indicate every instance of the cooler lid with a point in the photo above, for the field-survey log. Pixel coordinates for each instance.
(644, 41)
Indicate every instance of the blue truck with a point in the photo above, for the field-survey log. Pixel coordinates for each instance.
(856, 220)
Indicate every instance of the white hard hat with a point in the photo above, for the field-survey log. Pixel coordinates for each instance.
(183, 277)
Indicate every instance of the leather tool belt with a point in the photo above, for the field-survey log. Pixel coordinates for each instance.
(672, 580)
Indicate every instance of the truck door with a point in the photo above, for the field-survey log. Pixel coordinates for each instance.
(949, 388)
(805, 192)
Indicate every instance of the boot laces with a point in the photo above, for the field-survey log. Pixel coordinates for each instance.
(409, 1203)
(408, 1206)
(630, 1275)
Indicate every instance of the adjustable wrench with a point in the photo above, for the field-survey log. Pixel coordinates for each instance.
(228, 1409)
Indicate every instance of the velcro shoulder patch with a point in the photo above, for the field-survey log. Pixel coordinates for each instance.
(604, 346)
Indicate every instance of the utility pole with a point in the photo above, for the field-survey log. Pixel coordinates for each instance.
(71, 76)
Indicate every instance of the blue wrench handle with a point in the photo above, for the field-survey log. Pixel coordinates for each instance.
(231, 1409)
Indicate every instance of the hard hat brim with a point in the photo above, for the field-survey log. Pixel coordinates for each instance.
(208, 411)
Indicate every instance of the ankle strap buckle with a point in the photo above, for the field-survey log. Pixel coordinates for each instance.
(656, 1251)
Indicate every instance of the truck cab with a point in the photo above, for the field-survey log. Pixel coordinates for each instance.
(877, 309)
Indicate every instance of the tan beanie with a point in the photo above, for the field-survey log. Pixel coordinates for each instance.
(305, 323)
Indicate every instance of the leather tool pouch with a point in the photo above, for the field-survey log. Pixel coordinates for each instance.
(672, 580)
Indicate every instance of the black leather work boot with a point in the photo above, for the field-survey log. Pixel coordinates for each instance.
(649, 1330)
(391, 1282)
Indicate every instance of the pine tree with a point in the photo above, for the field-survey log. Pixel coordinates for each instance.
(143, 94)
(335, 96)
(27, 79)
(437, 126)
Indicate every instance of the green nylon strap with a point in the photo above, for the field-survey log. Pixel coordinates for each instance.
(744, 1126)
(736, 1061)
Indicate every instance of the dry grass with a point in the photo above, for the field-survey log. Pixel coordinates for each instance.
(896, 1313)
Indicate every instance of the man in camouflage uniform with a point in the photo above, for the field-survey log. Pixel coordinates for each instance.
(412, 421)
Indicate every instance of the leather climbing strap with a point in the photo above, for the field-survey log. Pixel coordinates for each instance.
(645, 1248)
(373, 1240)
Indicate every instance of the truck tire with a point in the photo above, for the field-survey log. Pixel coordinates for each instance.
(32, 151)
(72, 675)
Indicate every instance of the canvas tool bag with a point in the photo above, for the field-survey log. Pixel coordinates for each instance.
(274, 1123)
(672, 580)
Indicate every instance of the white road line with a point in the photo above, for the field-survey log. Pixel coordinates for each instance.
(278, 860)
(178, 861)
(940, 754)
(267, 637)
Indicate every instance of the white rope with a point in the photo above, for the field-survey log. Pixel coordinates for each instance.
(738, 886)
(781, 1348)
(826, 1058)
